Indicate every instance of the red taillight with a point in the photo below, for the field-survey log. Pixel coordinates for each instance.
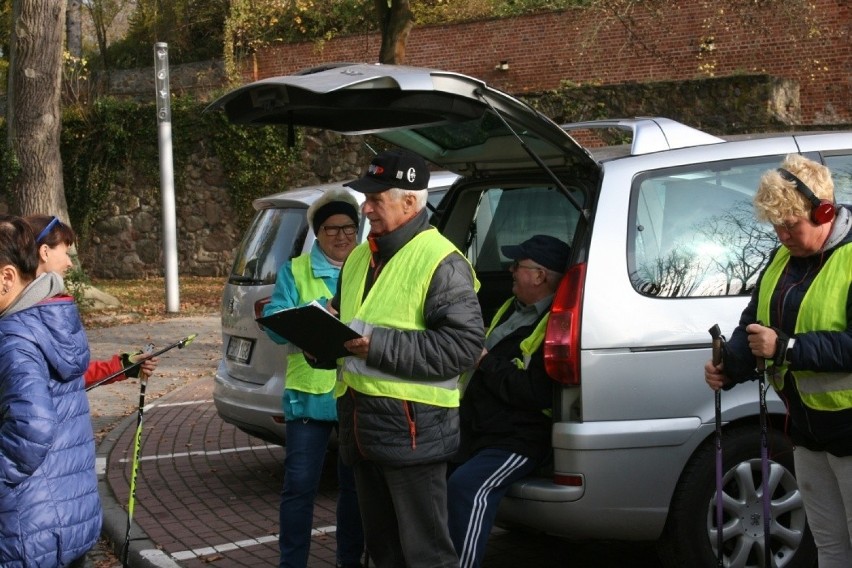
(258, 308)
(562, 340)
(568, 480)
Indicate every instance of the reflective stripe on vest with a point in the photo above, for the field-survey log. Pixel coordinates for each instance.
(301, 376)
(823, 308)
(395, 301)
(528, 345)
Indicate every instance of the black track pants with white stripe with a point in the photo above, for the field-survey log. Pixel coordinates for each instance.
(474, 491)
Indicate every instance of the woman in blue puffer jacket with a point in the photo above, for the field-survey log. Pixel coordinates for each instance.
(50, 513)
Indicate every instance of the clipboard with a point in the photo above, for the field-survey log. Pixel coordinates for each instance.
(313, 329)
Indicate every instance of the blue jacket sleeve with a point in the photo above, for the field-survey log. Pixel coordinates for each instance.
(28, 426)
(285, 295)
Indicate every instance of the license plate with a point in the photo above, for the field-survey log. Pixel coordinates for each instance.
(239, 349)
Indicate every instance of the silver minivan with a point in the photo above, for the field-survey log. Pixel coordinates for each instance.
(664, 245)
(249, 380)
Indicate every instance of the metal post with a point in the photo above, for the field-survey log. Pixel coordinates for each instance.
(167, 180)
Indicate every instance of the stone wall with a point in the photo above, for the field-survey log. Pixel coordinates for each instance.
(201, 80)
(126, 239)
(729, 105)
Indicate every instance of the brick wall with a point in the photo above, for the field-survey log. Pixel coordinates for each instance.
(691, 40)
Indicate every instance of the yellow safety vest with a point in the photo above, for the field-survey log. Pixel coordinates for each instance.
(396, 300)
(823, 308)
(301, 376)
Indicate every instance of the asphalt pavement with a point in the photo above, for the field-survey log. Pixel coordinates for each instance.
(207, 494)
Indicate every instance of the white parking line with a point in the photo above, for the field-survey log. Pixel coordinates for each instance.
(148, 407)
(101, 462)
(225, 547)
(158, 558)
(203, 453)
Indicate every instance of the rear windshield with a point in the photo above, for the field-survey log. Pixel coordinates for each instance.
(274, 236)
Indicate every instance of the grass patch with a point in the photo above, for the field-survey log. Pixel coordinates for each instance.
(145, 300)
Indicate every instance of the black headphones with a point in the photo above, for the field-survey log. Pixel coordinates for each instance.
(822, 210)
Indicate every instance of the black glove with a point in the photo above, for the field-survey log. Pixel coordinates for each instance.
(127, 361)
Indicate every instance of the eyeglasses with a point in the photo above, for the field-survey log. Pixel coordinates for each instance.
(334, 230)
(46, 231)
(516, 265)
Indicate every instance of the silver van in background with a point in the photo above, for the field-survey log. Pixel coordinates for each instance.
(664, 245)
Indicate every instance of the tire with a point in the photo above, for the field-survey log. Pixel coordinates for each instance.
(689, 537)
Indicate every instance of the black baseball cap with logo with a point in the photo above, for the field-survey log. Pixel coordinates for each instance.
(548, 251)
(393, 168)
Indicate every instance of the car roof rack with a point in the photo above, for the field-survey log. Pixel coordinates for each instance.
(651, 134)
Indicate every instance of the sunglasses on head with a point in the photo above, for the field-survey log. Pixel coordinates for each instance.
(46, 231)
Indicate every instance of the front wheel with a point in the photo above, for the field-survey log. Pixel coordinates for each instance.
(689, 537)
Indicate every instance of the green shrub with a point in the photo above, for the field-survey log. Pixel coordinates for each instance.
(76, 282)
(114, 141)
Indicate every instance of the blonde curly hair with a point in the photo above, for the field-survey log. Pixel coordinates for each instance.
(778, 199)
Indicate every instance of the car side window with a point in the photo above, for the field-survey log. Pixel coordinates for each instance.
(693, 232)
(841, 173)
(275, 235)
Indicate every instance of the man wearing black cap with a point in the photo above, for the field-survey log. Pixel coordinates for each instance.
(412, 296)
(506, 407)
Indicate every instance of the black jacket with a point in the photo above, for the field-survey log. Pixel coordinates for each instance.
(815, 351)
(503, 405)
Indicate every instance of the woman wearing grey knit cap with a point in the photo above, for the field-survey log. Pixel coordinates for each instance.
(310, 410)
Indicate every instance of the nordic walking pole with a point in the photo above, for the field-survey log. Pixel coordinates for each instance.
(764, 462)
(718, 342)
(143, 382)
(137, 442)
(179, 344)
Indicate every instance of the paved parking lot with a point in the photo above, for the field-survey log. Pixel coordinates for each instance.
(207, 494)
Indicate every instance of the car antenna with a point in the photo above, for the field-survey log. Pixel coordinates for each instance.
(534, 156)
(370, 148)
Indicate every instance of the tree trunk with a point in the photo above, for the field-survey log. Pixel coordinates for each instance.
(98, 13)
(74, 28)
(33, 111)
(397, 21)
